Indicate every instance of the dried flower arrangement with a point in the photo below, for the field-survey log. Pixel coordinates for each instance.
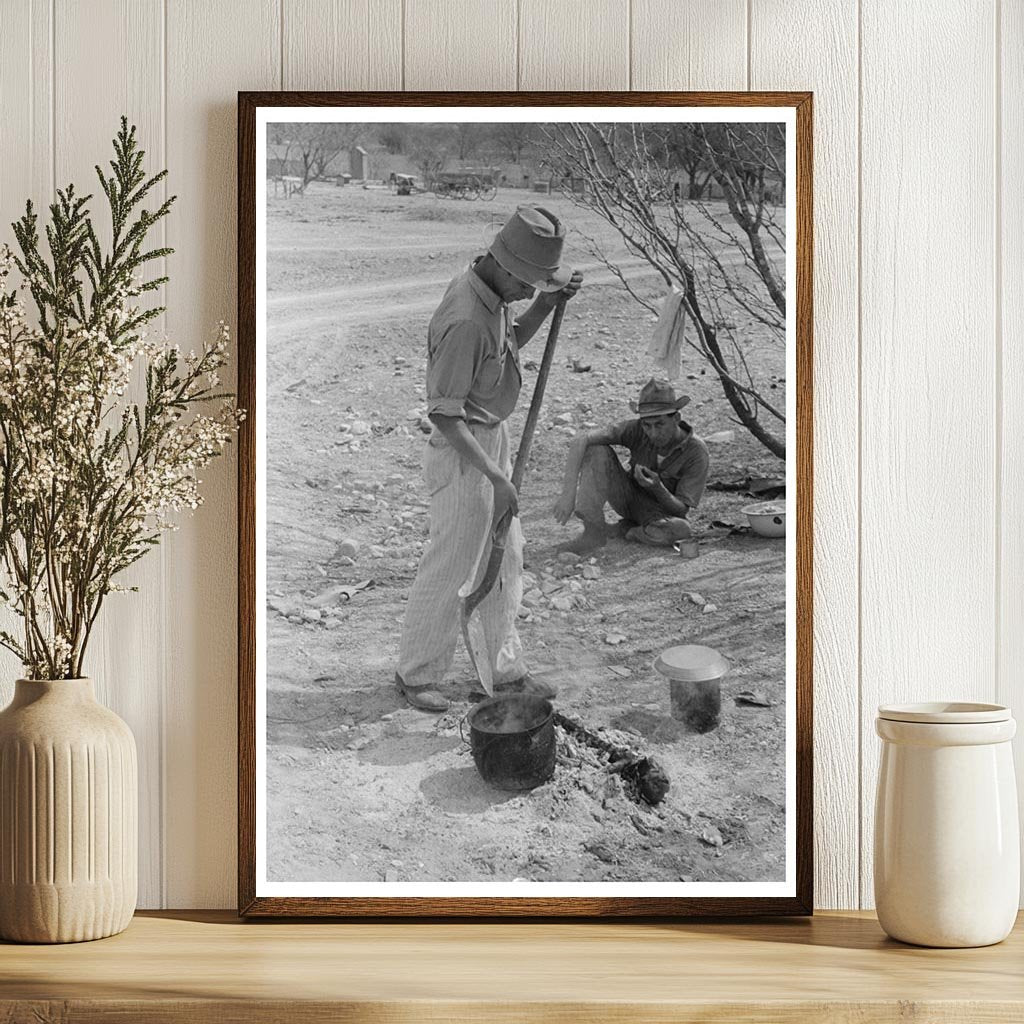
(90, 477)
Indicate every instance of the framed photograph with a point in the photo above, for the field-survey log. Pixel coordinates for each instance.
(525, 504)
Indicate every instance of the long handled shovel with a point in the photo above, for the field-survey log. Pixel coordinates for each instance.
(472, 627)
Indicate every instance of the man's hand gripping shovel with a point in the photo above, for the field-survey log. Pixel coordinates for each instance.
(469, 599)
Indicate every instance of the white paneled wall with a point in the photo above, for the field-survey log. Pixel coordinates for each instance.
(919, 324)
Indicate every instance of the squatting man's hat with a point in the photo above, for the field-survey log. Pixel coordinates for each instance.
(658, 397)
(529, 247)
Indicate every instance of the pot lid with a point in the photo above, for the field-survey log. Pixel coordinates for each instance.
(691, 663)
(945, 713)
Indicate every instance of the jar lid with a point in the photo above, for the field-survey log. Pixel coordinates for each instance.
(691, 663)
(945, 713)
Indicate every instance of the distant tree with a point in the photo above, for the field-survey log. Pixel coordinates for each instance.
(430, 146)
(314, 146)
(685, 146)
(467, 138)
(514, 137)
(393, 137)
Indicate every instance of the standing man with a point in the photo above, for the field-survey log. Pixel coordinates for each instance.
(473, 382)
(667, 473)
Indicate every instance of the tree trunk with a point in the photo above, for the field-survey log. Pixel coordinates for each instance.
(732, 394)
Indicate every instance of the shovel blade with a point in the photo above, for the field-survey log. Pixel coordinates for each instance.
(476, 644)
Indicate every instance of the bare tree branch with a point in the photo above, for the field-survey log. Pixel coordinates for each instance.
(632, 181)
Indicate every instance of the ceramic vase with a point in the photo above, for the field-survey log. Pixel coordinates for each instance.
(68, 815)
(947, 847)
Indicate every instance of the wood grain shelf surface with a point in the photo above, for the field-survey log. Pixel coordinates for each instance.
(200, 967)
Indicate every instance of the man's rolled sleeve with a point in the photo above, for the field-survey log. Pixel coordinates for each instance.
(452, 368)
(690, 488)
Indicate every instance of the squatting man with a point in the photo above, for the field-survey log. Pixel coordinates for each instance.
(473, 383)
(668, 471)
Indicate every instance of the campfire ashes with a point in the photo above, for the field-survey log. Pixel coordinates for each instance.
(643, 778)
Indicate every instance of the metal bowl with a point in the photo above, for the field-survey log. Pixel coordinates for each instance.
(767, 518)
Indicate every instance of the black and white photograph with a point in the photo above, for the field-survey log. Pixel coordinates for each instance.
(525, 583)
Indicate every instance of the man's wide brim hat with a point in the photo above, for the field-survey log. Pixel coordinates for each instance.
(529, 247)
(658, 397)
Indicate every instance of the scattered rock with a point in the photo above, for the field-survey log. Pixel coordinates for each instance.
(614, 639)
(349, 546)
(312, 615)
(600, 851)
(360, 427)
(591, 572)
(754, 698)
(694, 598)
(721, 437)
(712, 837)
(330, 596)
(642, 826)
(282, 605)
(709, 608)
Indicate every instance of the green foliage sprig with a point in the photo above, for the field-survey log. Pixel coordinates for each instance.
(89, 478)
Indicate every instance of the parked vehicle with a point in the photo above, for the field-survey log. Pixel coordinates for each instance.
(464, 185)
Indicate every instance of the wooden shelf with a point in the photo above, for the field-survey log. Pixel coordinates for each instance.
(203, 967)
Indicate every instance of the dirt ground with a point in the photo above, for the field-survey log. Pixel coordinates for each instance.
(362, 788)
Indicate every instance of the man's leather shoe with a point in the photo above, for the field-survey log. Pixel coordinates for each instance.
(421, 697)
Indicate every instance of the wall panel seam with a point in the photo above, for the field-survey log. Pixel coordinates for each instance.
(629, 44)
(53, 98)
(997, 232)
(32, 93)
(859, 867)
(749, 44)
(519, 43)
(162, 701)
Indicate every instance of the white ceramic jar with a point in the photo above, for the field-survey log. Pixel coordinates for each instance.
(947, 847)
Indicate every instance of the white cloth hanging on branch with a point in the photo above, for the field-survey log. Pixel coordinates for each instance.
(666, 345)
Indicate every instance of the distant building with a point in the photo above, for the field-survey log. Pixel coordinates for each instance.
(359, 163)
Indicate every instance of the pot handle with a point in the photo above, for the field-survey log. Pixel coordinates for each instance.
(462, 735)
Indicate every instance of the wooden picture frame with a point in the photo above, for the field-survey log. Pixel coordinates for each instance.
(260, 897)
